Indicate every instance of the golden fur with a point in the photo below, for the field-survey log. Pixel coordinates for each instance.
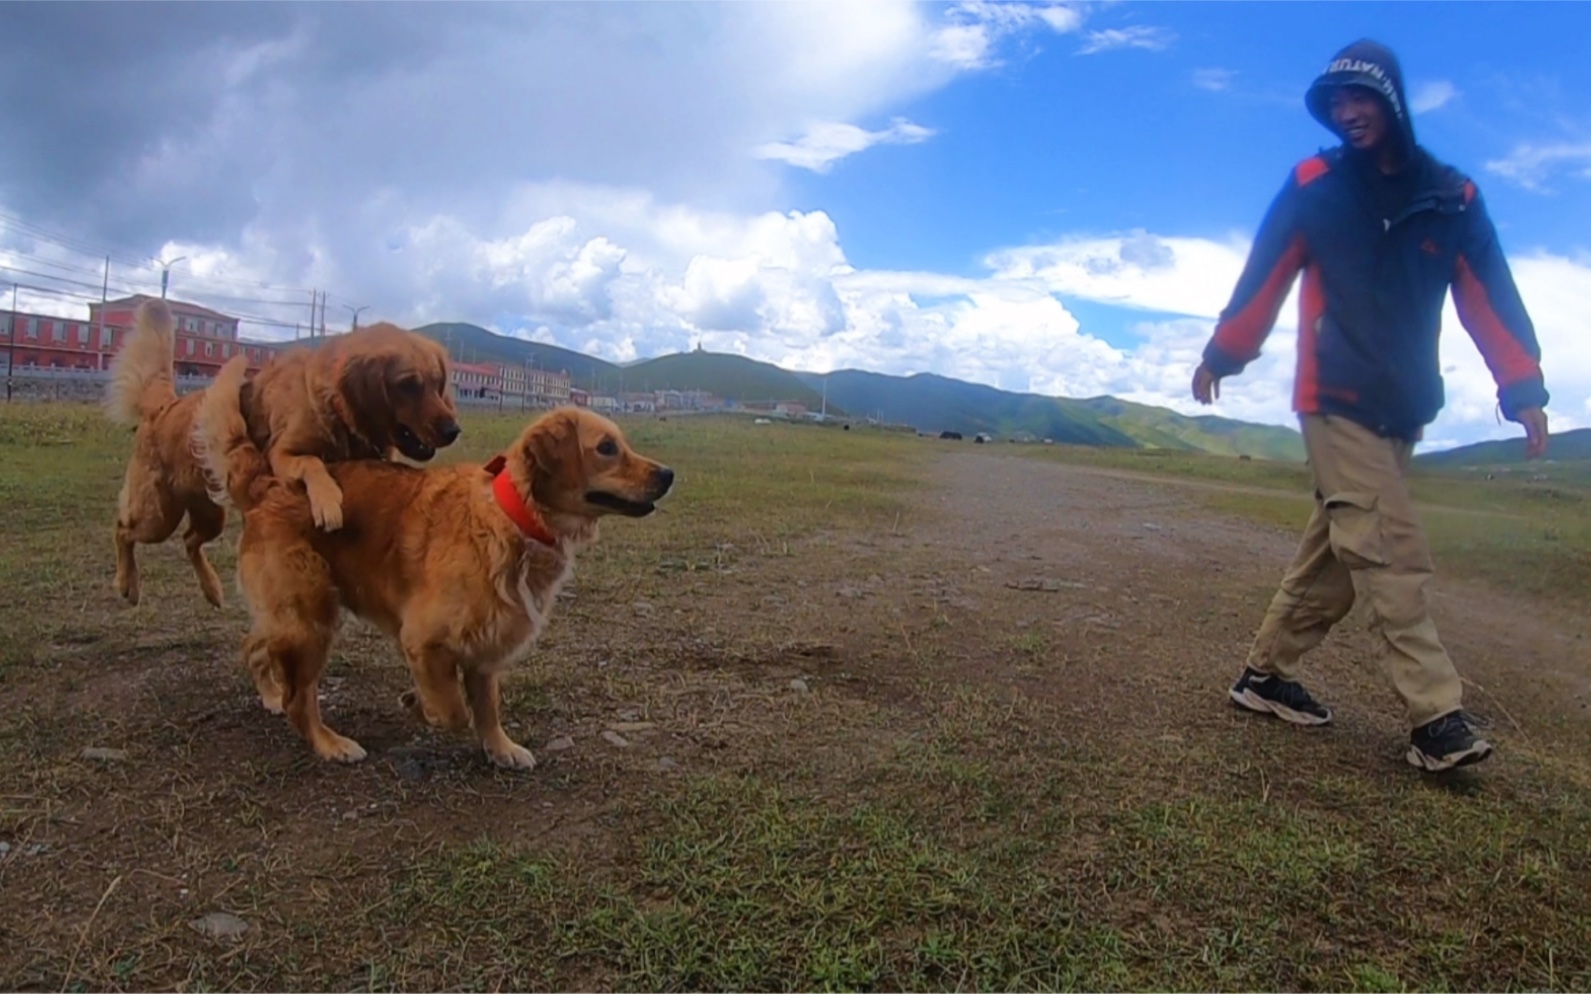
(429, 556)
(362, 394)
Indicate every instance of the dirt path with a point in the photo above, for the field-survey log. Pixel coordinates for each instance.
(1171, 592)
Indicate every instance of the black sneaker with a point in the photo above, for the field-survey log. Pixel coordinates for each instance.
(1447, 742)
(1285, 699)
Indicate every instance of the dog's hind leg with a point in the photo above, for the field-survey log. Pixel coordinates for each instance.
(485, 700)
(141, 519)
(301, 661)
(290, 593)
(257, 657)
(206, 522)
(436, 698)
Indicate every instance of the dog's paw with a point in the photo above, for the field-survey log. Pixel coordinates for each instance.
(328, 517)
(272, 702)
(512, 756)
(326, 504)
(339, 748)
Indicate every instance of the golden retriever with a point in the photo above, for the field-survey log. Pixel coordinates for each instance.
(359, 395)
(459, 565)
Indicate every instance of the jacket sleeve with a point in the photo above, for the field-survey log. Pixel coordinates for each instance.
(1490, 309)
(1273, 264)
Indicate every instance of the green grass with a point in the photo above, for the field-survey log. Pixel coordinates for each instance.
(943, 833)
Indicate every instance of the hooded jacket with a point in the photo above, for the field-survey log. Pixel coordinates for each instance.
(1378, 255)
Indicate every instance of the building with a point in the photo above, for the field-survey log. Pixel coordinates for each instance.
(479, 382)
(513, 386)
(205, 338)
(545, 388)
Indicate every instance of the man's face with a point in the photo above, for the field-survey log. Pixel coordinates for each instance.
(1359, 117)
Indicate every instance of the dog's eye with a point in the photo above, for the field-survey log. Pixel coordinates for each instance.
(410, 385)
(607, 447)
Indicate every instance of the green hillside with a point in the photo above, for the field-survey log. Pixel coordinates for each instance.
(1570, 446)
(927, 401)
(936, 403)
(472, 343)
(732, 377)
(1160, 428)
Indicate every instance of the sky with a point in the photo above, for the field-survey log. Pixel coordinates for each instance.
(1054, 198)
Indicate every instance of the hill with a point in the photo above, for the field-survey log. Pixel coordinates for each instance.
(935, 403)
(1570, 446)
(1160, 428)
(732, 377)
(472, 343)
(927, 401)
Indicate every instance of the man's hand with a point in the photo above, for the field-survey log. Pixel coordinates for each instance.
(1206, 385)
(1535, 422)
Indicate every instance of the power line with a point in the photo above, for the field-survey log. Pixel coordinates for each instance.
(100, 251)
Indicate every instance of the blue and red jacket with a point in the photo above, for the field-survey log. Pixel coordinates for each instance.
(1370, 305)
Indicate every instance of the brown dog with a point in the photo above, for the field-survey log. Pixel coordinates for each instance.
(458, 564)
(360, 395)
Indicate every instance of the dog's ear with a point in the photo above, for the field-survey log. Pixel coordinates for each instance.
(363, 387)
(553, 442)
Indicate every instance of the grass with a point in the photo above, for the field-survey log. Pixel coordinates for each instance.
(944, 808)
(1520, 533)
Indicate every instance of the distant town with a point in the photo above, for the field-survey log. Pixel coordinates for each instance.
(77, 352)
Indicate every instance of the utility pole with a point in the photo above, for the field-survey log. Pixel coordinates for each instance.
(11, 340)
(104, 296)
(165, 274)
(356, 310)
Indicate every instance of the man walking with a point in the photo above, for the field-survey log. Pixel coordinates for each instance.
(1380, 230)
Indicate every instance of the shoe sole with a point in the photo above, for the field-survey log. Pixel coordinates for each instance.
(1439, 764)
(1256, 703)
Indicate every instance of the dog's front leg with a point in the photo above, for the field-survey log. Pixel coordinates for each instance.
(325, 496)
(485, 696)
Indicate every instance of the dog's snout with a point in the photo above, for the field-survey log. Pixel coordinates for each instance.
(450, 432)
(664, 478)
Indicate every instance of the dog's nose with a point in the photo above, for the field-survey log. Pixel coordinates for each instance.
(664, 477)
(450, 432)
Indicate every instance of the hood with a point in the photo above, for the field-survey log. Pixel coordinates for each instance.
(1369, 64)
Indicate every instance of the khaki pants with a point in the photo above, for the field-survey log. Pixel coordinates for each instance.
(1363, 542)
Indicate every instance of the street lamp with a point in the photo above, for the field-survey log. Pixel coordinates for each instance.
(165, 274)
(356, 310)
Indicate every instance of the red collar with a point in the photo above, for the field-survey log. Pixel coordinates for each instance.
(518, 510)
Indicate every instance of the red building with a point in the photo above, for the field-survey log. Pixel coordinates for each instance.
(205, 338)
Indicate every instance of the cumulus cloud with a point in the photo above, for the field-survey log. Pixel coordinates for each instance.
(1432, 95)
(825, 143)
(1153, 39)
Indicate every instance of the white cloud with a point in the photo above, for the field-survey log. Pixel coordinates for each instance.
(1432, 95)
(1529, 165)
(1185, 276)
(1153, 39)
(825, 143)
(973, 29)
(1214, 80)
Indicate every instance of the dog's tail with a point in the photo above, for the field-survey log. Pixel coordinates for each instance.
(141, 380)
(235, 469)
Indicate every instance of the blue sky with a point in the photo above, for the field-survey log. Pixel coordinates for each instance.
(1046, 197)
